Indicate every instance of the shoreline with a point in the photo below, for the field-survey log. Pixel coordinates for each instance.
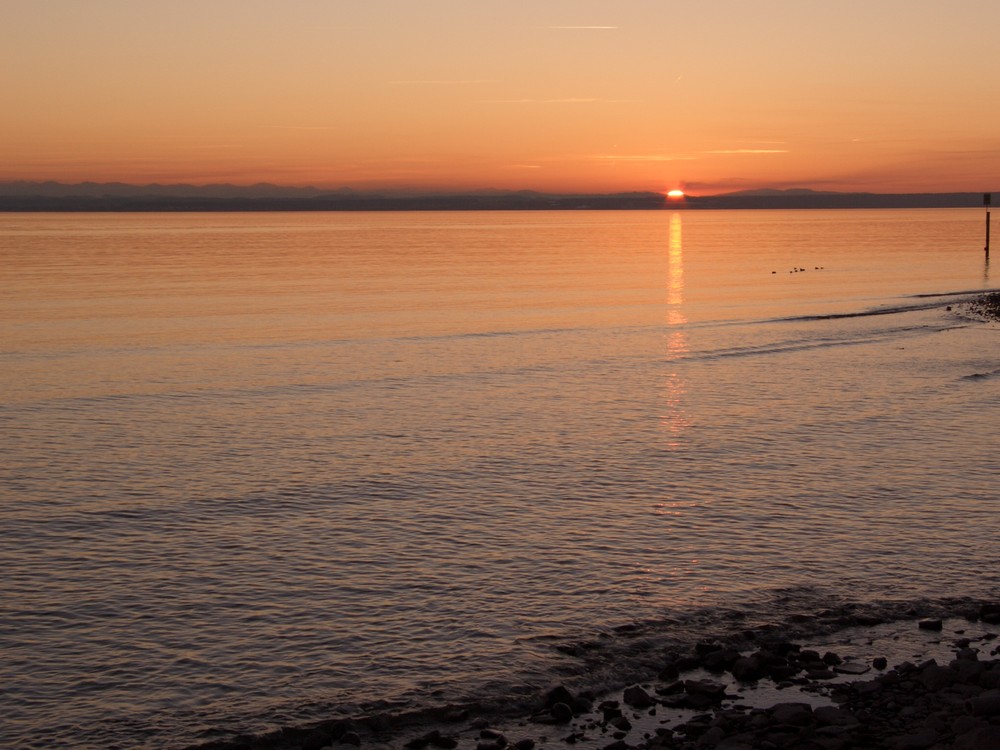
(984, 307)
(834, 680)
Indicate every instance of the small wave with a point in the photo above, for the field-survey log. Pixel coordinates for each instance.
(982, 375)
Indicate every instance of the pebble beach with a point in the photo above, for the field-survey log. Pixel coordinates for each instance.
(930, 680)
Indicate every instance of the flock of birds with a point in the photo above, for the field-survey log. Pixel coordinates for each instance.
(803, 270)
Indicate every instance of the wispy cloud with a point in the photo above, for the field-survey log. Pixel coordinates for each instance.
(747, 151)
(647, 157)
(568, 100)
(301, 127)
(443, 81)
(602, 28)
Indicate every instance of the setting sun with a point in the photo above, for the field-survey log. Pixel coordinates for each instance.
(675, 194)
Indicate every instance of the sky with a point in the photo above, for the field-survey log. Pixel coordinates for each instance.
(558, 95)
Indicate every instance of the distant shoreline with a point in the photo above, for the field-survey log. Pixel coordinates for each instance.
(119, 197)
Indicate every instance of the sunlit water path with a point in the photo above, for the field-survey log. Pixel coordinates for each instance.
(264, 468)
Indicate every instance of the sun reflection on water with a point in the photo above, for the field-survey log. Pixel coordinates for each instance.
(674, 418)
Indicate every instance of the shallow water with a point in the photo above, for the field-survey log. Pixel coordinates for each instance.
(264, 468)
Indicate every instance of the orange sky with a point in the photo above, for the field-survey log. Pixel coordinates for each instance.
(573, 95)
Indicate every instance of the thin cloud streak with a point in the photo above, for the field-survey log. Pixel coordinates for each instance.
(584, 27)
(570, 100)
(646, 157)
(300, 127)
(446, 82)
(748, 151)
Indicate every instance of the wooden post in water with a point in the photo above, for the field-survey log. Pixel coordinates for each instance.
(986, 202)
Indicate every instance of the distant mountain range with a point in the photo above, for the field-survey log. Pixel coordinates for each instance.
(118, 196)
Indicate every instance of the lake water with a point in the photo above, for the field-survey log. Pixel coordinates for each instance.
(260, 469)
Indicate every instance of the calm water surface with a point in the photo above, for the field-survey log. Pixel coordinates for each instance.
(264, 468)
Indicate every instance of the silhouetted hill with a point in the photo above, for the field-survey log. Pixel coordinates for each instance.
(89, 196)
(117, 196)
(804, 198)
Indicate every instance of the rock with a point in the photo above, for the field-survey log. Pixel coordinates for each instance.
(834, 716)
(525, 744)
(703, 648)
(986, 705)
(781, 672)
(562, 713)
(990, 613)
(784, 648)
(851, 668)
(712, 737)
(351, 738)
(637, 697)
(981, 738)
(709, 689)
(622, 723)
(930, 624)
(721, 660)
(558, 694)
(433, 739)
(747, 669)
(820, 674)
(920, 740)
(880, 662)
(937, 678)
(796, 714)
(832, 659)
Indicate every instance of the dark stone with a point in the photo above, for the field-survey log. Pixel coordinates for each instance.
(986, 705)
(988, 610)
(930, 624)
(919, 740)
(315, 740)
(834, 716)
(669, 672)
(784, 648)
(705, 687)
(525, 744)
(797, 714)
(637, 697)
(558, 694)
(611, 712)
(687, 663)
(820, 674)
(671, 689)
(434, 739)
(967, 654)
(852, 668)
(562, 713)
(621, 722)
(780, 672)
(880, 662)
(720, 660)
(937, 678)
(747, 669)
(351, 738)
(832, 659)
